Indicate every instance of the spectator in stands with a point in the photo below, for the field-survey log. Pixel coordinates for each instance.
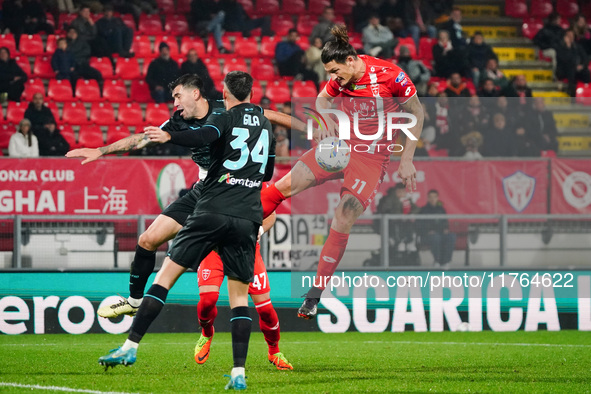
(51, 142)
(502, 106)
(116, 34)
(524, 145)
(194, 65)
(13, 18)
(572, 62)
(23, 143)
(207, 18)
(325, 23)
(87, 31)
(582, 32)
(455, 87)
(491, 71)
(38, 114)
(479, 53)
(472, 143)
(447, 59)
(62, 61)
(397, 201)
(393, 9)
(488, 88)
(454, 28)
(314, 59)
(35, 18)
(419, 19)
(549, 37)
(378, 39)
(12, 77)
(472, 117)
(237, 20)
(419, 73)
(498, 140)
(291, 59)
(518, 88)
(541, 126)
(162, 71)
(80, 50)
(436, 232)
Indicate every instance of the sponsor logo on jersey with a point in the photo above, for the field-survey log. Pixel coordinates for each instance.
(230, 180)
(358, 87)
(400, 77)
(404, 82)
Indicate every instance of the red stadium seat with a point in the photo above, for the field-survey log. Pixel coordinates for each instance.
(115, 91)
(6, 131)
(90, 136)
(409, 43)
(102, 114)
(541, 8)
(141, 46)
(306, 24)
(54, 110)
(74, 113)
(567, 8)
(183, 6)
(530, 27)
(51, 44)
(583, 93)
(355, 41)
(267, 7)
(304, 89)
(317, 7)
(127, 68)
(130, 114)
(248, 6)
(66, 20)
(31, 45)
(172, 43)
(281, 24)
(262, 69)
(236, 64)
(303, 42)
(246, 47)
(188, 43)
(42, 67)
(268, 45)
(60, 90)
(156, 114)
(33, 86)
(15, 111)
(150, 25)
(177, 26)
(166, 6)
(128, 21)
(104, 65)
(88, 90)
(116, 133)
(23, 62)
(7, 40)
(140, 91)
(344, 7)
(278, 92)
(426, 48)
(516, 8)
(68, 133)
(293, 7)
(257, 92)
(212, 48)
(213, 67)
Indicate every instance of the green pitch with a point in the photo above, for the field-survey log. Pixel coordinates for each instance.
(408, 362)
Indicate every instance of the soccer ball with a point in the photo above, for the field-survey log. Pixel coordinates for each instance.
(332, 154)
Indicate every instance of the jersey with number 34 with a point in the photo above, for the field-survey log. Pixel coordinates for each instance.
(383, 87)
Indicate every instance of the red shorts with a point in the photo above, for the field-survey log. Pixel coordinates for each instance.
(363, 175)
(211, 273)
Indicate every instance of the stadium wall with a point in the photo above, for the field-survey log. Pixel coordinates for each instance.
(66, 302)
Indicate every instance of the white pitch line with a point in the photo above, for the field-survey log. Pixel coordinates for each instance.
(57, 388)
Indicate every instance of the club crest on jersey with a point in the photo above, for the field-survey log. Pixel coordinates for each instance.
(205, 273)
(375, 89)
(400, 77)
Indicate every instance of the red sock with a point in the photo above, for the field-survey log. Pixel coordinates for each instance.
(269, 323)
(271, 198)
(330, 257)
(207, 311)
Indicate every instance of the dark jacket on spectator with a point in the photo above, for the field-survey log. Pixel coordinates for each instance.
(540, 124)
(39, 118)
(51, 144)
(437, 225)
(161, 72)
(86, 31)
(549, 36)
(569, 58)
(480, 54)
(62, 62)
(200, 69)
(498, 143)
(9, 70)
(455, 33)
(80, 50)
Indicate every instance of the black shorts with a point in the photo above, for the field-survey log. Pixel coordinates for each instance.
(184, 206)
(233, 238)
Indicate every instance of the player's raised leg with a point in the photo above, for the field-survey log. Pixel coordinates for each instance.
(296, 181)
(163, 229)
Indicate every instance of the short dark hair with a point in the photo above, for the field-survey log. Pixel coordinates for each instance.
(239, 84)
(61, 39)
(338, 48)
(433, 191)
(187, 81)
(292, 30)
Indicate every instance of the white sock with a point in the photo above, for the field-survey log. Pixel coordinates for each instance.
(237, 371)
(135, 302)
(130, 344)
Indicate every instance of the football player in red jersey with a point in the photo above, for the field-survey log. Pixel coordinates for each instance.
(354, 79)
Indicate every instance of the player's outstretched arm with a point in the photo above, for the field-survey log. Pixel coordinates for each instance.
(285, 120)
(324, 101)
(135, 141)
(406, 169)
